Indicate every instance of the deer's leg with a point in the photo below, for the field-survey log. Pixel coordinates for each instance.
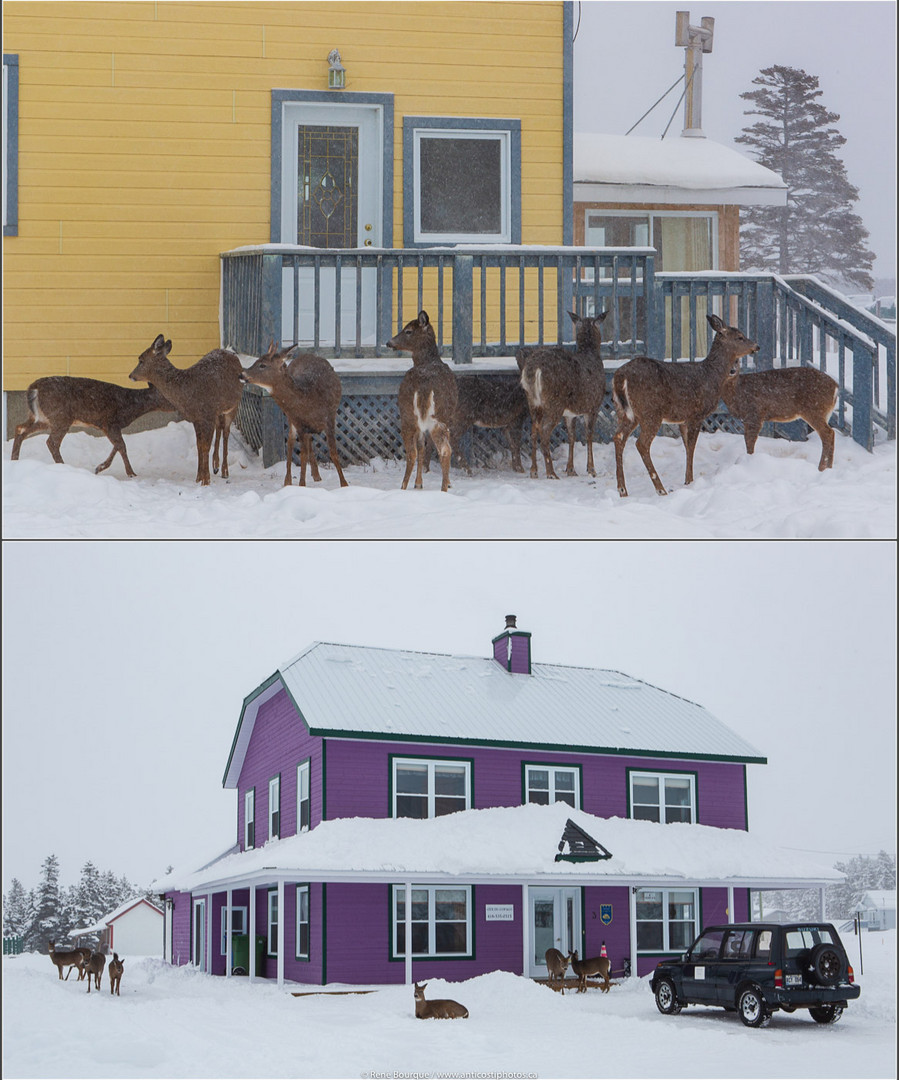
(227, 420)
(751, 427)
(313, 460)
(536, 417)
(444, 447)
(291, 445)
(513, 433)
(409, 444)
(590, 424)
(30, 427)
(215, 450)
(421, 448)
(546, 427)
(54, 441)
(204, 430)
(118, 447)
(827, 444)
(644, 442)
(332, 449)
(690, 433)
(570, 424)
(625, 427)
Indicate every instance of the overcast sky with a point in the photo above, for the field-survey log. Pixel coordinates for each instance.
(125, 666)
(625, 59)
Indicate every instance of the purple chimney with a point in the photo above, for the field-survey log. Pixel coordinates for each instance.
(512, 649)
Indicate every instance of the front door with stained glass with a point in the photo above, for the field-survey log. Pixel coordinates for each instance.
(327, 173)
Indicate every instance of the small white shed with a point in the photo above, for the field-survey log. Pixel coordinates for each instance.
(135, 928)
(878, 909)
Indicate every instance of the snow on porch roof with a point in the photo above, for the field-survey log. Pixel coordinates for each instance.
(637, 169)
(508, 844)
(349, 691)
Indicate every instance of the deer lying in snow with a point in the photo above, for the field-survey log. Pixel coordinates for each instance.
(784, 394)
(441, 1009)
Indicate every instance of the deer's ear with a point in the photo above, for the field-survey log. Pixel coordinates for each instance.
(716, 324)
(159, 342)
(574, 317)
(168, 347)
(423, 319)
(599, 318)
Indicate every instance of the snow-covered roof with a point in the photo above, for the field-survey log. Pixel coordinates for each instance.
(508, 844)
(367, 692)
(121, 910)
(637, 169)
(879, 898)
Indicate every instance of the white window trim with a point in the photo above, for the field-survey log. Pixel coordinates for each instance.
(274, 806)
(662, 777)
(666, 922)
(302, 889)
(270, 922)
(431, 764)
(552, 770)
(242, 911)
(303, 769)
(249, 815)
(432, 928)
(504, 137)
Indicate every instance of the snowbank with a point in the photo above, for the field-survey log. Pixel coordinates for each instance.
(776, 493)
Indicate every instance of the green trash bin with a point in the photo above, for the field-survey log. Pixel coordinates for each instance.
(240, 954)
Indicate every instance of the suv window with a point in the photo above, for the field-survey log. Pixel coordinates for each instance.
(707, 946)
(738, 945)
(806, 938)
(763, 945)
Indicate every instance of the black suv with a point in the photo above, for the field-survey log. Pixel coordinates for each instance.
(757, 968)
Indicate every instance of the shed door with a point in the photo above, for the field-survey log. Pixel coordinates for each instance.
(331, 198)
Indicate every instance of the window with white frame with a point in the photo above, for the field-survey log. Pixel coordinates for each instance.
(547, 784)
(302, 938)
(683, 239)
(274, 807)
(664, 797)
(303, 803)
(666, 919)
(272, 928)
(462, 180)
(441, 921)
(249, 818)
(238, 924)
(430, 787)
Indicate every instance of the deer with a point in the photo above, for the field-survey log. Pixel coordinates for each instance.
(116, 968)
(652, 392)
(596, 965)
(71, 958)
(784, 394)
(427, 399)
(440, 1009)
(490, 402)
(308, 392)
(58, 402)
(556, 966)
(562, 384)
(94, 968)
(206, 394)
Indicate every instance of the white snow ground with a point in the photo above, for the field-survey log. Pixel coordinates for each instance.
(175, 1022)
(776, 493)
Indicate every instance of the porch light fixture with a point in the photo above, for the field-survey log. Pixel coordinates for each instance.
(336, 71)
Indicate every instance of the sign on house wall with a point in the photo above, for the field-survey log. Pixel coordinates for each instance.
(499, 912)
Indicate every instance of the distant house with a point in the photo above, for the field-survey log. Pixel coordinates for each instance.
(135, 928)
(878, 909)
(410, 815)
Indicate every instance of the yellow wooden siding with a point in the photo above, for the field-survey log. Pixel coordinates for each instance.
(145, 145)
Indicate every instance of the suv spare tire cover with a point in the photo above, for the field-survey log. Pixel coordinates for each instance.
(827, 964)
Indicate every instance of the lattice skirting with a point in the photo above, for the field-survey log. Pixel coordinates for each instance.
(368, 426)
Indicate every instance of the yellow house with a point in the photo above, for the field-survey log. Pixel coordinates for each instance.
(143, 139)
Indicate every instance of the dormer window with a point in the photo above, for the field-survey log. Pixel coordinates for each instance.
(546, 784)
(430, 787)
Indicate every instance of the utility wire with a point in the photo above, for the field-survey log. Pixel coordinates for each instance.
(651, 107)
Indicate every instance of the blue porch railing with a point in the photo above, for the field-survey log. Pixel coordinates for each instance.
(487, 302)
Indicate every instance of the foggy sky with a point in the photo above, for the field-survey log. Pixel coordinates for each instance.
(125, 666)
(625, 59)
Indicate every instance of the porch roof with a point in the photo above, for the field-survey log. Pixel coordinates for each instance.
(637, 169)
(363, 692)
(515, 844)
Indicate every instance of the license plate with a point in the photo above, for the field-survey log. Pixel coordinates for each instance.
(793, 980)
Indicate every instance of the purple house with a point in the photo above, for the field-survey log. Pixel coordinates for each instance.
(520, 805)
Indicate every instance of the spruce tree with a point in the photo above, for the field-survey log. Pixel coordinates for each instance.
(45, 925)
(817, 231)
(15, 910)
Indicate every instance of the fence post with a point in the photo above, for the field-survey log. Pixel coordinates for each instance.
(270, 316)
(273, 435)
(766, 325)
(463, 294)
(863, 395)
